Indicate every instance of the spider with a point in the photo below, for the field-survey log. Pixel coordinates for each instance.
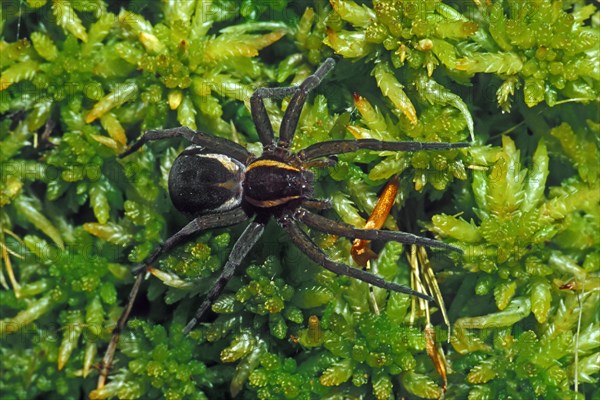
(222, 184)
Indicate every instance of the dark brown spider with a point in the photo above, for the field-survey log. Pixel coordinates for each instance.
(222, 184)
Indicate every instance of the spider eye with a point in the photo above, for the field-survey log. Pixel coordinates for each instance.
(200, 183)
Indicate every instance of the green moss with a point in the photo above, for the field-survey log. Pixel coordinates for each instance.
(80, 81)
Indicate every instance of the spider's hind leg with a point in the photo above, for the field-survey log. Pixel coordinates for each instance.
(109, 354)
(201, 223)
(204, 222)
(212, 143)
(242, 246)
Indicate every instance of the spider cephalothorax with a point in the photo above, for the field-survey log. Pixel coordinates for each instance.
(221, 184)
(271, 183)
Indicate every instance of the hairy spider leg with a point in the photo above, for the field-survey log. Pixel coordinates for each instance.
(204, 222)
(242, 246)
(213, 143)
(323, 224)
(317, 204)
(292, 114)
(109, 354)
(259, 112)
(294, 108)
(308, 247)
(348, 146)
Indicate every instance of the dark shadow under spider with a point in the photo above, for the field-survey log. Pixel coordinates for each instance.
(223, 184)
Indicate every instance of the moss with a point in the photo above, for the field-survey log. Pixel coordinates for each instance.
(80, 81)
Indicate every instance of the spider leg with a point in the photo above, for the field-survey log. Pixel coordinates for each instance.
(212, 143)
(317, 204)
(259, 112)
(244, 244)
(109, 354)
(294, 108)
(308, 247)
(204, 222)
(348, 146)
(327, 225)
(321, 162)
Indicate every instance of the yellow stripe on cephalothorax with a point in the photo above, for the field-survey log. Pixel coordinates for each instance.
(271, 163)
(271, 203)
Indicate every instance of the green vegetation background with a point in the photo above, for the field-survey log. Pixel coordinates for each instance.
(81, 80)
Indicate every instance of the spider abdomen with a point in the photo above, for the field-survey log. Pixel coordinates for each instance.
(270, 183)
(200, 183)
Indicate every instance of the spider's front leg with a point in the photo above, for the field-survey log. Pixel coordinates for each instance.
(259, 112)
(318, 222)
(334, 147)
(292, 114)
(308, 247)
(294, 108)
